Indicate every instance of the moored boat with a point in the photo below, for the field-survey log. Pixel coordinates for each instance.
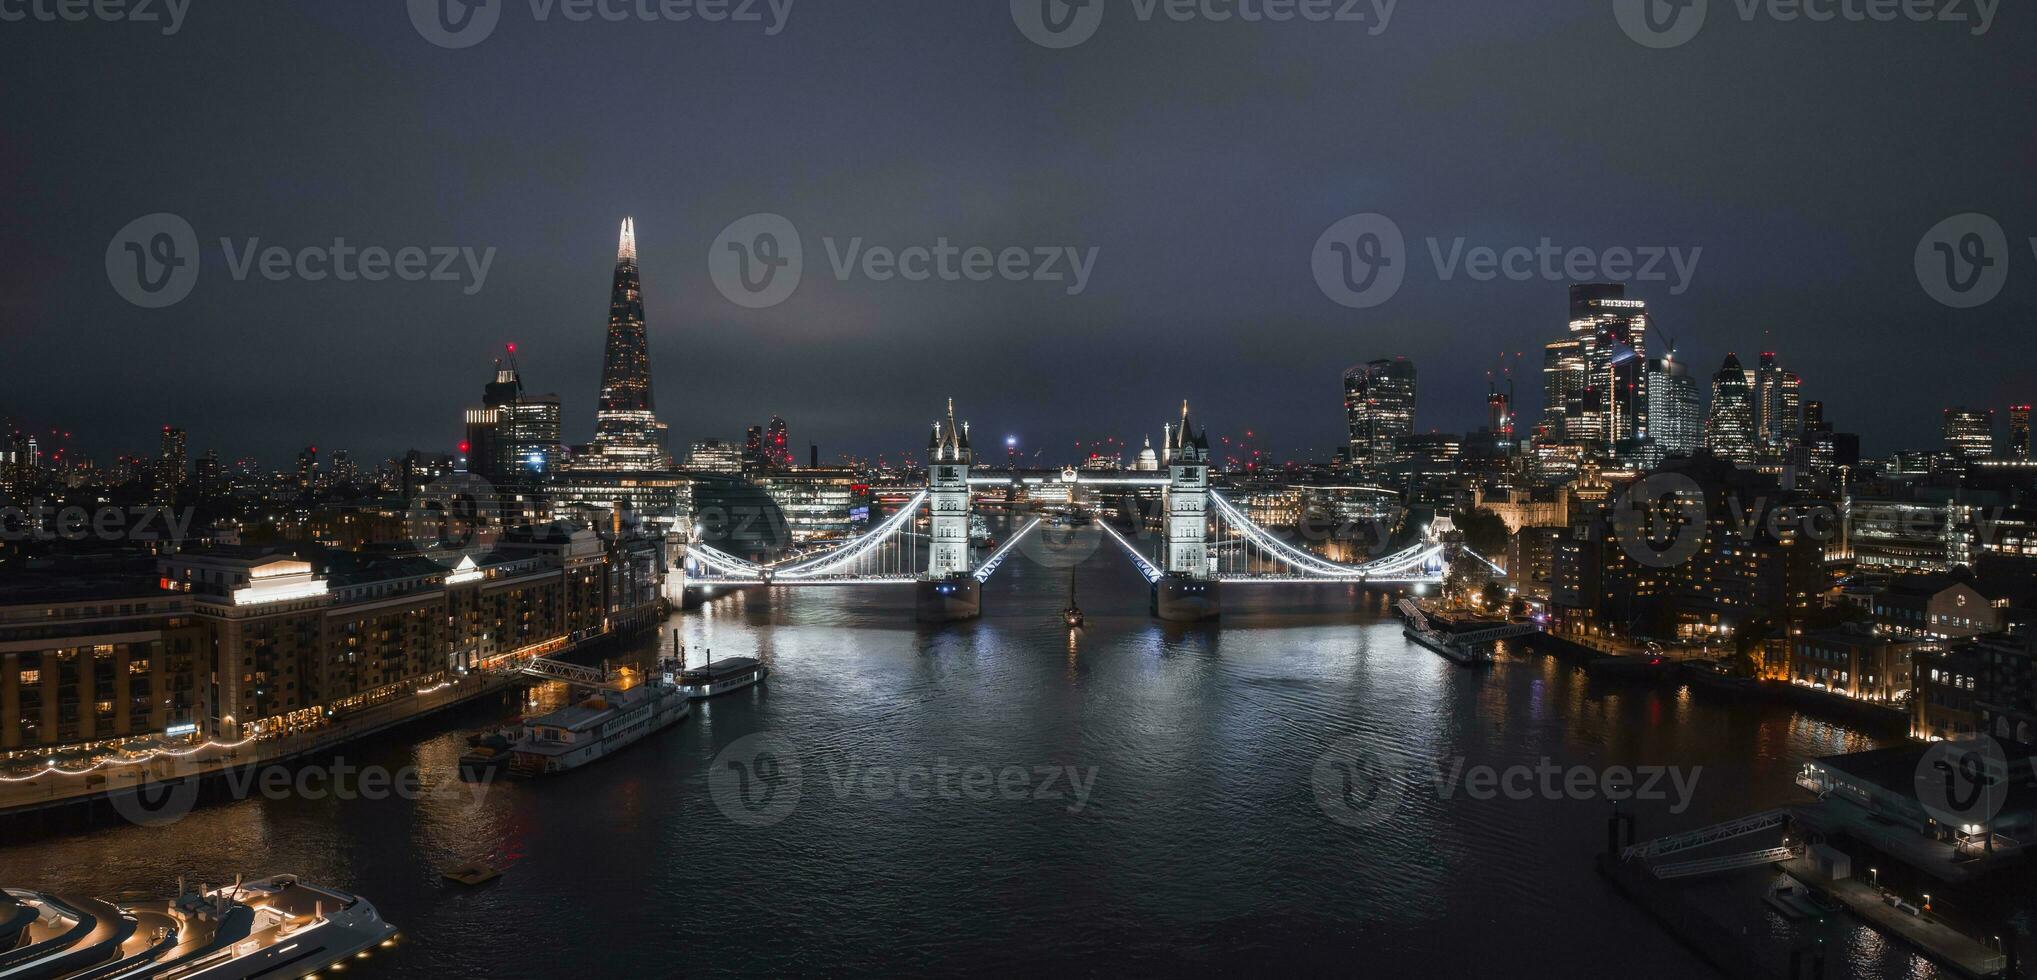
(718, 677)
(596, 727)
(275, 927)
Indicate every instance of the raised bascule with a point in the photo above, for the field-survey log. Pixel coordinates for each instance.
(1206, 543)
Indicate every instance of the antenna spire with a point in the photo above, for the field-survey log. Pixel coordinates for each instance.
(626, 251)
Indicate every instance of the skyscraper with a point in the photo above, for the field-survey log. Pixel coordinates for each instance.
(1616, 331)
(1970, 433)
(627, 433)
(1778, 406)
(170, 466)
(1675, 420)
(1379, 408)
(777, 451)
(1564, 379)
(2019, 432)
(514, 436)
(1729, 429)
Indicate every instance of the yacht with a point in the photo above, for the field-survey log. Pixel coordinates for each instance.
(596, 727)
(721, 676)
(276, 927)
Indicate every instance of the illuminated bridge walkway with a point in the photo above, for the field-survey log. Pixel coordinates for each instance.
(891, 554)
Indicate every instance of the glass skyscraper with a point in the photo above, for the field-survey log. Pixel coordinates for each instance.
(627, 433)
(1729, 430)
(1675, 421)
(1970, 433)
(1379, 408)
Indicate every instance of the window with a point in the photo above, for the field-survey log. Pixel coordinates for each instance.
(31, 677)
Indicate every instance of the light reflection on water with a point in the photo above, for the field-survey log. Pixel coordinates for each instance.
(1201, 847)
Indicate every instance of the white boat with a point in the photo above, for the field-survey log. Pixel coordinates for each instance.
(721, 677)
(595, 728)
(275, 927)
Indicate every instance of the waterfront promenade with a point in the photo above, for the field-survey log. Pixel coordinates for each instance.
(168, 767)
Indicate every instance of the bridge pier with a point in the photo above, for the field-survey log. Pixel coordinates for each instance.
(948, 600)
(1186, 599)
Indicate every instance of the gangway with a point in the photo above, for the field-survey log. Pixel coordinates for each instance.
(559, 670)
(1493, 635)
(1703, 836)
(1725, 862)
(1413, 611)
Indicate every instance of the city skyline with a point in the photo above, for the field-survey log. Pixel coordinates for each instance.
(1792, 260)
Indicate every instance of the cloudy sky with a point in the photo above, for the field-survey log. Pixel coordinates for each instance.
(1198, 162)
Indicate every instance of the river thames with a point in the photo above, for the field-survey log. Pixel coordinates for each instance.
(1003, 796)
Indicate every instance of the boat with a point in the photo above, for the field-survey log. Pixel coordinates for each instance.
(1415, 626)
(596, 727)
(1792, 899)
(717, 677)
(1073, 614)
(472, 872)
(1441, 643)
(486, 752)
(280, 926)
(979, 532)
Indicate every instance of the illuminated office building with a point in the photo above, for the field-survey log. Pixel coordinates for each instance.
(1970, 433)
(1379, 408)
(627, 433)
(1729, 429)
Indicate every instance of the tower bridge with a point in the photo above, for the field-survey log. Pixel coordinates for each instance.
(1205, 543)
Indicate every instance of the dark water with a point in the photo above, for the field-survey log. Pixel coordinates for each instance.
(1201, 845)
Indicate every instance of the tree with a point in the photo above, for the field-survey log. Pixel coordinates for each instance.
(1467, 575)
(1747, 643)
(1484, 531)
(1493, 596)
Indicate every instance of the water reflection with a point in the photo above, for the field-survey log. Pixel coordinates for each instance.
(1202, 846)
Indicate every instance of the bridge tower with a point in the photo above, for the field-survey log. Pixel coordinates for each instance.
(1187, 593)
(949, 592)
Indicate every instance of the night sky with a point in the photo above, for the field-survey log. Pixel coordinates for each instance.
(1202, 160)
